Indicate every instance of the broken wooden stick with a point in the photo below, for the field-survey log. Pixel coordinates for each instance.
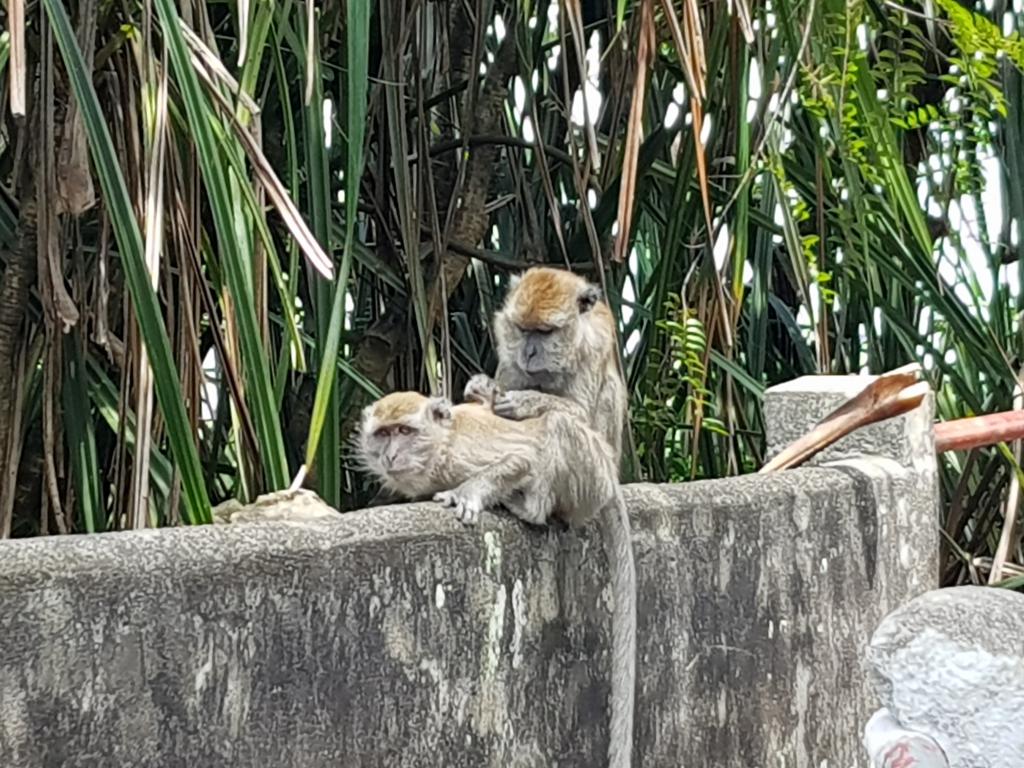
(891, 394)
(976, 431)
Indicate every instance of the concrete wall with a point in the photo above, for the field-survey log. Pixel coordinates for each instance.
(396, 637)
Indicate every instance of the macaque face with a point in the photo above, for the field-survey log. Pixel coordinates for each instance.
(400, 434)
(540, 351)
(392, 448)
(540, 329)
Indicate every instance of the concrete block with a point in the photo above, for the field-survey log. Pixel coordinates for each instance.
(792, 408)
(898, 452)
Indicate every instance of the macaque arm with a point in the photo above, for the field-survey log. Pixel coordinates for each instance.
(530, 505)
(518, 404)
(497, 480)
(486, 488)
(522, 404)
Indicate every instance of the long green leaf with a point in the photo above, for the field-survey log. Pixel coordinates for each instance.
(237, 264)
(129, 240)
(85, 465)
(357, 39)
(323, 444)
(106, 400)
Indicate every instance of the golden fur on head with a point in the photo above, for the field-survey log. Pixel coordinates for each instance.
(397, 406)
(545, 297)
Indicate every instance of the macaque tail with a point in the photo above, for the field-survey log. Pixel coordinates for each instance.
(619, 547)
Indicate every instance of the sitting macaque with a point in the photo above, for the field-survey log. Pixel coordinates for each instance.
(473, 460)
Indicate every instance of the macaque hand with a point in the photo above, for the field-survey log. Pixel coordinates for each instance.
(466, 507)
(481, 389)
(518, 405)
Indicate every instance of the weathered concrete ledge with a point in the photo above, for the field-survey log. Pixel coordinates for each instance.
(397, 637)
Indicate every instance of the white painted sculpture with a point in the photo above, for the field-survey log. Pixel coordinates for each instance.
(948, 668)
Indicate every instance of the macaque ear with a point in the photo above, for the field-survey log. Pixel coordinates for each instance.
(589, 297)
(439, 410)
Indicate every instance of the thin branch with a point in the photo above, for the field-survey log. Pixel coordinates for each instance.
(495, 139)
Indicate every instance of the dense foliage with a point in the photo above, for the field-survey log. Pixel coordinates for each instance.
(224, 226)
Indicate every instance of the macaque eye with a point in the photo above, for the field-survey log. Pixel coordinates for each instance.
(405, 430)
(543, 331)
(381, 432)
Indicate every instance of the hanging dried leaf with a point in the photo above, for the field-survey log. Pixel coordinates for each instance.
(635, 129)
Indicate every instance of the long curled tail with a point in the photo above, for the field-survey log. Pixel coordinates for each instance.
(618, 541)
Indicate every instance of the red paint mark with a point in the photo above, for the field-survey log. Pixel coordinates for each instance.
(900, 757)
(904, 755)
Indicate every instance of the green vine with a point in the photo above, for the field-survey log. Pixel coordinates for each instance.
(680, 397)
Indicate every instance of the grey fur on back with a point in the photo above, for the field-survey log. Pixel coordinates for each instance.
(559, 318)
